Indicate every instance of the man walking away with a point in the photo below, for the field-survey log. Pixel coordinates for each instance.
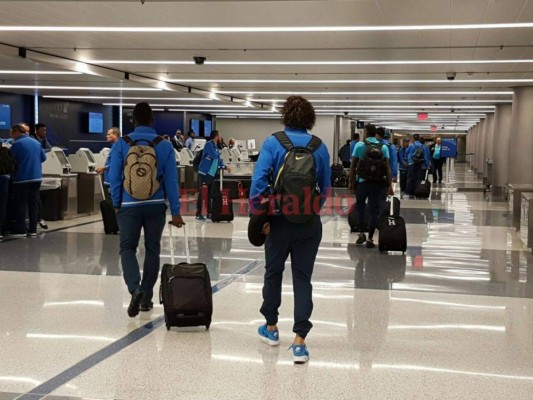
(354, 141)
(418, 161)
(438, 161)
(207, 172)
(299, 240)
(345, 155)
(139, 197)
(383, 136)
(29, 156)
(403, 165)
(370, 171)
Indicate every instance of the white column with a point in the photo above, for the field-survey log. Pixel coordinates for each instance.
(521, 143)
(501, 141)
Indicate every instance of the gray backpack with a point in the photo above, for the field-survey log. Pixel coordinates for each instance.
(140, 169)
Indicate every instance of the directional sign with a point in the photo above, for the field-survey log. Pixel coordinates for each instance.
(448, 148)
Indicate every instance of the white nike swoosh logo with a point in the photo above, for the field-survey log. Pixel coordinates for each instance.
(299, 158)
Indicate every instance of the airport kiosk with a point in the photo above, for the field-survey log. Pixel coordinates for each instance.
(61, 204)
(83, 163)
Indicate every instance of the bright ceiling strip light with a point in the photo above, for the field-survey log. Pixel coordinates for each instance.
(178, 105)
(416, 107)
(221, 111)
(399, 93)
(18, 72)
(129, 98)
(332, 81)
(263, 29)
(40, 87)
(387, 101)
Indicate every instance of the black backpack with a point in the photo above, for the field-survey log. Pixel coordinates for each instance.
(296, 186)
(418, 156)
(373, 166)
(7, 161)
(197, 160)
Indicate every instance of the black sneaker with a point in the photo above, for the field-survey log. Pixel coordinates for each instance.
(370, 244)
(43, 224)
(361, 240)
(147, 306)
(135, 303)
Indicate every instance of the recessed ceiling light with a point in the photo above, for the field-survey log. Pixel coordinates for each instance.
(339, 81)
(387, 101)
(19, 72)
(398, 93)
(262, 29)
(42, 87)
(413, 107)
(178, 105)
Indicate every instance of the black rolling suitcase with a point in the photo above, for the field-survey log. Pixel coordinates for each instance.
(109, 216)
(423, 189)
(392, 232)
(222, 205)
(395, 207)
(185, 291)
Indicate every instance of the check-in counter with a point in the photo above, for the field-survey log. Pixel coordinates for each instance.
(514, 195)
(58, 166)
(526, 219)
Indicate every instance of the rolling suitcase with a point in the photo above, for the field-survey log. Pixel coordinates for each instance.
(109, 216)
(185, 291)
(222, 205)
(423, 189)
(392, 232)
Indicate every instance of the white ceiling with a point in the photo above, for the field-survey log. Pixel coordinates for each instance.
(52, 50)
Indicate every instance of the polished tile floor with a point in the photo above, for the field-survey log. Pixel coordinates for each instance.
(450, 319)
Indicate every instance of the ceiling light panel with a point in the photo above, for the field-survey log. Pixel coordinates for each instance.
(375, 93)
(103, 88)
(343, 81)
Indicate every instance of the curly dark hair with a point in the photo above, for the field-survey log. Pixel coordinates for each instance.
(298, 113)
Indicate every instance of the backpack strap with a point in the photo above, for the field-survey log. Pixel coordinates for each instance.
(156, 141)
(314, 144)
(128, 140)
(284, 140)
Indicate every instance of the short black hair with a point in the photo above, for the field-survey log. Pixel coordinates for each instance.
(380, 131)
(142, 114)
(370, 130)
(422, 140)
(40, 125)
(416, 136)
(298, 113)
(191, 133)
(356, 136)
(348, 141)
(214, 134)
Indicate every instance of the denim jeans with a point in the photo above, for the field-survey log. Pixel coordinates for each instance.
(131, 220)
(26, 197)
(301, 242)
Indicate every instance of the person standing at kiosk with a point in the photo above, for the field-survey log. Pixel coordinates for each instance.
(29, 155)
(112, 136)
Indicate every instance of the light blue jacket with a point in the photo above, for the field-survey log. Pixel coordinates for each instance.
(167, 173)
(29, 156)
(272, 156)
(427, 154)
(211, 160)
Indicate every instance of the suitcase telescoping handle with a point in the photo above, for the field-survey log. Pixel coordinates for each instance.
(221, 178)
(392, 199)
(171, 239)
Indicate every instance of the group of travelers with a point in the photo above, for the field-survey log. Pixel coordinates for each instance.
(21, 173)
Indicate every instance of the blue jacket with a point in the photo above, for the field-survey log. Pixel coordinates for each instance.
(271, 159)
(352, 146)
(107, 166)
(393, 158)
(211, 160)
(166, 171)
(403, 163)
(411, 152)
(29, 155)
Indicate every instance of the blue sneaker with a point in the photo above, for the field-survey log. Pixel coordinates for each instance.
(269, 337)
(300, 353)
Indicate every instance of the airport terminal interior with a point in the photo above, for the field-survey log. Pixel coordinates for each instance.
(449, 318)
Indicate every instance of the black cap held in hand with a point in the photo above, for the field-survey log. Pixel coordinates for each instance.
(258, 218)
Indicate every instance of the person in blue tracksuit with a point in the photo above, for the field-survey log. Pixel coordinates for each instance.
(354, 141)
(374, 192)
(208, 169)
(300, 241)
(403, 165)
(134, 215)
(112, 136)
(383, 136)
(416, 170)
(29, 155)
